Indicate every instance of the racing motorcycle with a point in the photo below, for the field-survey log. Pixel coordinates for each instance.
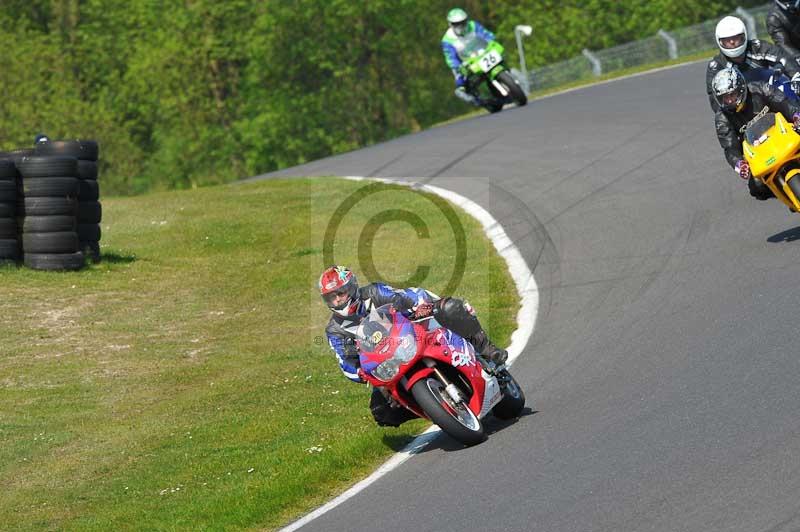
(487, 77)
(772, 149)
(774, 77)
(434, 373)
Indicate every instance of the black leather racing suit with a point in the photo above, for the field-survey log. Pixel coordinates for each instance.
(784, 28)
(730, 125)
(758, 56)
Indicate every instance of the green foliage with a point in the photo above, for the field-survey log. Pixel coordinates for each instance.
(597, 24)
(201, 92)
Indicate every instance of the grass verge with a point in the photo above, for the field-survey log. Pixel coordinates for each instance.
(182, 384)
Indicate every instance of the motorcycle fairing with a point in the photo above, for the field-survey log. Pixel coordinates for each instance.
(770, 144)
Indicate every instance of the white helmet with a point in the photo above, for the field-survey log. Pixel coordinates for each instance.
(457, 19)
(734, 33)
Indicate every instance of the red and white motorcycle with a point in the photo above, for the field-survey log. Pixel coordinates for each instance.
(434, 372)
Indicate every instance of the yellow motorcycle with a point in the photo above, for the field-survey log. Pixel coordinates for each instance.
(772, 149)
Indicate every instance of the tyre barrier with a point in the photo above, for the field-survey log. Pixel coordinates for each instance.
(50, 211)
(89, 210)
(9, 245)
(49, 191)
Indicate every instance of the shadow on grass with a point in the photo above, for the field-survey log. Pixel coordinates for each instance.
(397, 442)
(112, 257)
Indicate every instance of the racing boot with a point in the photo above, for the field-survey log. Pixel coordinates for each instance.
(462, 94)
(459, 317)
(386, 412)
(487, 349)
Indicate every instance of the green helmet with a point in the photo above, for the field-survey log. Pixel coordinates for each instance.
(457, 18)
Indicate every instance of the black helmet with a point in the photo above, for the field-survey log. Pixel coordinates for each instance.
(730, 89)
(790, 6)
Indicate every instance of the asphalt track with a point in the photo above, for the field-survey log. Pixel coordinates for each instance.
(664, 372)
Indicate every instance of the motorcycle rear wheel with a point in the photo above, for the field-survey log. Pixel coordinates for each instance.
(456, 419)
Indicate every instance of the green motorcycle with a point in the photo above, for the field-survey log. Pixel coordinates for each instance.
(487, 76)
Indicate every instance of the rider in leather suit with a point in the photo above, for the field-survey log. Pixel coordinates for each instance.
(349, 304)
(783, 25)
(753, 58)
(739, 103)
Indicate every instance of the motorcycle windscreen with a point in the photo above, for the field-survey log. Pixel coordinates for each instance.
(759, 128)
(385, 334)
(471, 46)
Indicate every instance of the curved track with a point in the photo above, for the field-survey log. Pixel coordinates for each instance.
(664, 370)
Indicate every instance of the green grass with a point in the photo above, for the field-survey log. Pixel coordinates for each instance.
(534, 95)
(182, 383)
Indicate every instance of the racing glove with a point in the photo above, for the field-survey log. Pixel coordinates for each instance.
(796, 122)
(743, 169)
(423, 310)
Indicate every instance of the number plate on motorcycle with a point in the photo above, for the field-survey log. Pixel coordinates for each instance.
(490, 60)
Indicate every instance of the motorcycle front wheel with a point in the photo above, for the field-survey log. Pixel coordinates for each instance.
(794, 186)
(515, 91)
(455, 418)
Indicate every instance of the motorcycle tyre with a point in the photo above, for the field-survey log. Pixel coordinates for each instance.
(515, 91)
(436, 412)
(493, 106)
(794, 186)
(511, 405)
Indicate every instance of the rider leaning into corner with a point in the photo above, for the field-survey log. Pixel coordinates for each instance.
(452, 41)
(783, 25)
(739, 102)
(755, 59)
(350, 304)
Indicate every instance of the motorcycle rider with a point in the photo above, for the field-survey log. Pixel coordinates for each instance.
(350, 304)
(755, 59)
(452, 41)
(739, 102)
(783, 25)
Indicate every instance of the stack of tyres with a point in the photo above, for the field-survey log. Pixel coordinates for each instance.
(9, 245)
(89, 211)
(49, 206)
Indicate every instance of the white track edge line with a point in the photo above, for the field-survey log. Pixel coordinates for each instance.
(526, 320)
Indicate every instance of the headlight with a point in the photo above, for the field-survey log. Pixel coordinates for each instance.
(387, 370)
